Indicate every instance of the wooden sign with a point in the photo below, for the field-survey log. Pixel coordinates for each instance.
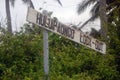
(57, 27)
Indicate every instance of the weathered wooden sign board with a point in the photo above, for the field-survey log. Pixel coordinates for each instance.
(57, 27)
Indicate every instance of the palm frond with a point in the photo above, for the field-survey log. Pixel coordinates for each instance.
(59, 2)
(89, 20)
(95, 9)
(83, 5)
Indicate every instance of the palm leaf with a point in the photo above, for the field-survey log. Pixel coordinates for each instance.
(59, 2)
(95, 9)
(90, 19)
(83, 5)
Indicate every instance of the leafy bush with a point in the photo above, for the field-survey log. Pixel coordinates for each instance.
(21, 58)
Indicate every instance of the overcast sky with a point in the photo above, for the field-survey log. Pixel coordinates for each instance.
(65, 14)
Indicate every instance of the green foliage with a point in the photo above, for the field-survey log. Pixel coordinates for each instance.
(20, 56)
(114, 34)
(74, 62)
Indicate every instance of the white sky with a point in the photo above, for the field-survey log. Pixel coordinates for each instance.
(65, 14)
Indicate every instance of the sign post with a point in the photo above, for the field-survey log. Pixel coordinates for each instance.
(46, 54)
(46, 51)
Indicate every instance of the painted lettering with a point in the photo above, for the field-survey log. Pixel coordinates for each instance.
(98, 45)
(39, 19)
(44, 21)
(48, 22)
(85, 39)
(72, 33)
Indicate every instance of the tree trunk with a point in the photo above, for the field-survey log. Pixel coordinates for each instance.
(8, 15)
(103, 19)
